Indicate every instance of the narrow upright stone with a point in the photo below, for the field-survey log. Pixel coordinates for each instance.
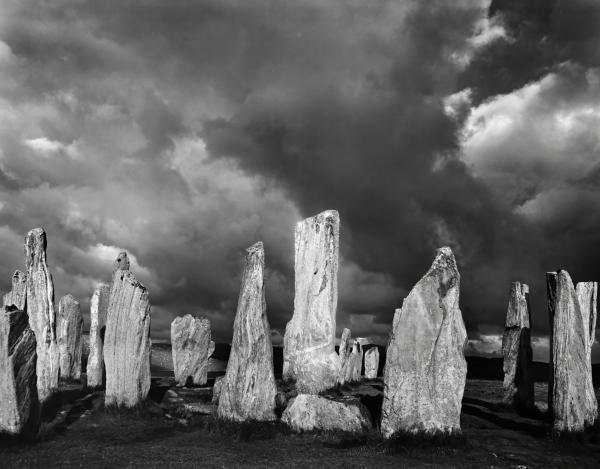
(587, 295)
(18, 295)
(98, 312)
(551, 284)
(425, 370)
(352, 363)
(357, 362)
(127, 341)
(309, 342)
(344, 352)
(248, 389)
(40, 309)
(372, 363)
(70, 343)
(516, 349)
(191, 347)
(19, 406)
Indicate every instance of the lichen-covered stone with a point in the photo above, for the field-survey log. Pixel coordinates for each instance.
(19, 406)
(18, 295)
(309, 341)
(351, 370)
(41, 312)
(587, 295)
(191, 348)
(344, 351)
(425, 369)
(121, 262)
(371, 363)
(516, 349)
(98, 312)
(309, 412)
(127, 341)
(69, 337)
(248, 389)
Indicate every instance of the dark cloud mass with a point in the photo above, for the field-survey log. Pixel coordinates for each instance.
(186, 131)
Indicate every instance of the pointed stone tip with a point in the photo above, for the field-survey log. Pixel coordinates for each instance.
(258, 246)
(122, 261)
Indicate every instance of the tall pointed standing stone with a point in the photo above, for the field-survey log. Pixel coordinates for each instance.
(70, 343)
(40, 309)
(98, 311)
(309, 341)
(516, 349)
(587, 294)
(127, 341)
(18, 295)
(425, 369)
(19, 406)
(191, 348)
(248, 389)
(371, 363)
(121, 262)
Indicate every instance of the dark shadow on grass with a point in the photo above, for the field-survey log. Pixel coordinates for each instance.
(433, 443)
(243, 431)
(535, 430)
(532, 413)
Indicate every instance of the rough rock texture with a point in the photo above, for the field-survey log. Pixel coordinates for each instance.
(191, 348)
(69, 337)
(127, 341)
(371, 363)
(121, 262)
(40, 309)
(309, 341)
(587, 295)
(18, 295)
(98, 311)
(516, 349)
(310, 412)
(425, 369)
(248, 389)
(217, 389)
(19, 406)
(551, 283)
(344, 350)
(358, 362)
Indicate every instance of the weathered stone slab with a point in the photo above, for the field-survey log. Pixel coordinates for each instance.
(98, 311)
(217, 389)
(310, 412)
(248, 389)
(425, 370)
(127, 341)
(19, 406)
(191, 347)
(69, 337)
(587, 295)
(121, 262)
(551, 283)
(309, 341)
(18, 295)
(40, 309)
(516, 349)
(344, 351)
(371, 363)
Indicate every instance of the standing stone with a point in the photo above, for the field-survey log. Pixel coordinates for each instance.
(348, 371)
(191, 347)
(70, 343)
(516, 349)
(121, 262)
(248, 389)
(371, 363)
(98, 311)
(18, 295)
(309, 342)
(587, 295)
(357, 361)
(40, 309)
(344, 348)
(551, 284)
(127, 341)
(19, 406)
(425, 369)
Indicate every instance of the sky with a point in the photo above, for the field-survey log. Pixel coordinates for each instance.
(185, 131)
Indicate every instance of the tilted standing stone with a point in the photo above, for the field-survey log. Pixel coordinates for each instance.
(127, 341)
(98, 312)
(70, 343)
(18, 295)
(40, 309)
(248, 389)
(425, 369)
(516, 349)
(309, 341)
(19, 406)
(191, 348)
(371, 363)
(587, 294)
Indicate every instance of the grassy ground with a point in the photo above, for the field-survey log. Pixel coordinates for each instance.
(84, 435)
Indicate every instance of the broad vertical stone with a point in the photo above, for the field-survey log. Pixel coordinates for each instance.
(127, 341)
(18, 295)
(70, 343)
(98, 312)
(587, 295)
(516, 349)
(309, 341)
(19, 407)
(248, 389)
(191, 347)
(425, 369)
(40, 309)
(371, 363)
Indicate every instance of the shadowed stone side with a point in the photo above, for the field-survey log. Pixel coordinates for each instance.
(309, 341)
(344, 351)
(18, 295)
(551, 283)
(587, 295)
(69, 332)
(191, 349)
(98, 312)
(425, 369)
(371, 363)
(248, 390)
